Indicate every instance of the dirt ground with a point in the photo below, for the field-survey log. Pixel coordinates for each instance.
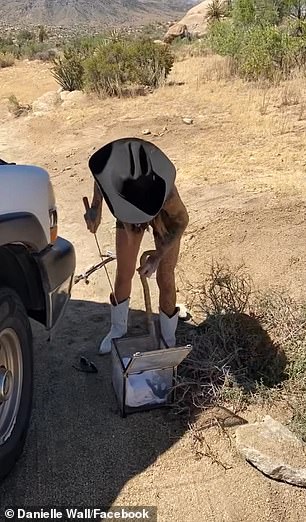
(241, 173)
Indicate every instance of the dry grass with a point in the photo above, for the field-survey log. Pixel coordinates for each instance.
(291, 95)
(218, 68)
(240, 132)
(248, 346)
(6, 60)
(232, 352)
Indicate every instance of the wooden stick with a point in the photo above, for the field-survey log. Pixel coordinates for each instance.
(147, 299)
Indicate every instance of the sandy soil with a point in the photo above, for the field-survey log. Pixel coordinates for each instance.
(241, 174)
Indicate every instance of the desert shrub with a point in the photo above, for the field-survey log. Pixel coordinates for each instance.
(150, 64)
(6, 60)
(260, 38)
(24, 44)
(68, 71)
(107, 71)
(225, 38)
(47, 55)
(25, 36)
(16, 108)
(233, 352)
(7, 45)
(260, 52)
(267, 52)
(257, 12)
(113, 65)
(6, 41)
(248, 346)
(31, 49)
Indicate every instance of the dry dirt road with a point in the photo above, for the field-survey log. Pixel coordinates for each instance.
(241, 174)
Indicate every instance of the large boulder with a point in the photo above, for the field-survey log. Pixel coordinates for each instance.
(73, 98)
(46, 103)
(178, 30)
(274, 450)
(196, 19)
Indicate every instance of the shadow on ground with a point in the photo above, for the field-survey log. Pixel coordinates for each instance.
(79, 450)
(231, 352)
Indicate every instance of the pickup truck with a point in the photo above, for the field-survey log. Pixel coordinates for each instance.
(36, 276)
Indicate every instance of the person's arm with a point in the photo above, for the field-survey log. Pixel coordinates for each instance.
(94, 214)
(177, 221)
(97, 198)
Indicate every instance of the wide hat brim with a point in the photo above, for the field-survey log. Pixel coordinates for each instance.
(135, 178)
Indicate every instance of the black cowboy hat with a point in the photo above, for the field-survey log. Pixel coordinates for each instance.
(135, 178)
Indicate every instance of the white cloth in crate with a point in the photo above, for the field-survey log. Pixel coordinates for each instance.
(149, 387)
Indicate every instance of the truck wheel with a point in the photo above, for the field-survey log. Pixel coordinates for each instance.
(16, 378)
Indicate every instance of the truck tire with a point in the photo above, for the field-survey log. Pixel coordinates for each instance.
(16, 378)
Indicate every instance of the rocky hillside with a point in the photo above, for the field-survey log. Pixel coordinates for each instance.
(71, 12)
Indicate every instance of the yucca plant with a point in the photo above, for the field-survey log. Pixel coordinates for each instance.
(216, 10)
(68, 71)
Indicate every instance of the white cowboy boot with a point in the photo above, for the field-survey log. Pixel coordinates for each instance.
(119, 318)
(168, 327)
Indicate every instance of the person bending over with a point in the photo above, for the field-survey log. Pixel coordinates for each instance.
(137, 182)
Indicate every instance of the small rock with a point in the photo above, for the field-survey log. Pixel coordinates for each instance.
(146, 132)
(188, 121)
(274, 450)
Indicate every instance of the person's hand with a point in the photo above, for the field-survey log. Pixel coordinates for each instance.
(150, 266)
(92, 218)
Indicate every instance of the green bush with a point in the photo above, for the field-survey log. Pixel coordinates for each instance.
(107, 71)
(7, 46)
(259, 52)
(150, 64)
(31, 49)
(113, 65)
(25, 36)
(268, 52)
(225, 38)
(257, 12)
(243, 12)
(24, 44)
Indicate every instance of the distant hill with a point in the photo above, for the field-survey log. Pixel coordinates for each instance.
(92, 12)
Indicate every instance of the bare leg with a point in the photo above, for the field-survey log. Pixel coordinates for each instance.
(127, 248)
(166, 280)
